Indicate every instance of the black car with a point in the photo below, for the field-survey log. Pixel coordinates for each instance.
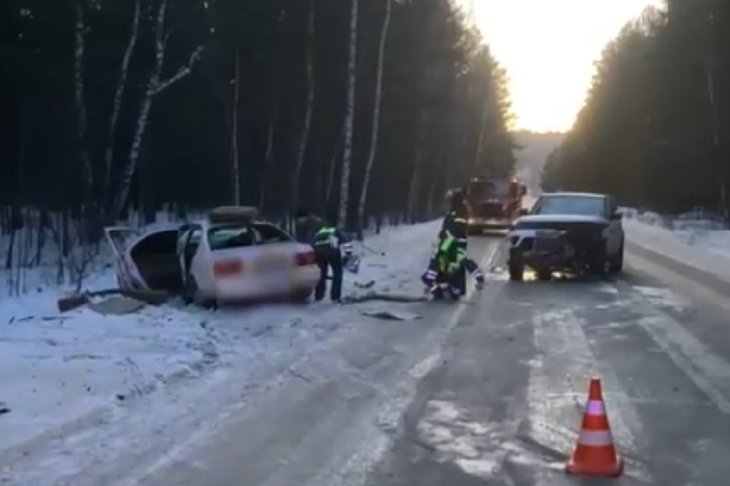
(576, 233)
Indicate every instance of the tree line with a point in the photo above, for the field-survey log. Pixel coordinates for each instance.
(655, 130)
(360, 108)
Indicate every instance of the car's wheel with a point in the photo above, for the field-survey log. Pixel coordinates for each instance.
(516, 271)
(191, 288)
(617, 265)
(599, 263)
(192, 295)
(301, 296)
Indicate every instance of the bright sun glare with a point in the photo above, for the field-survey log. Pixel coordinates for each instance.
(549, 48)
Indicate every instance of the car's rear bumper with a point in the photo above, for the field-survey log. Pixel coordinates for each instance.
(251, 288)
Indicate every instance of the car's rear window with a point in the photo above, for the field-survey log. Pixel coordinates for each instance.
(222, 237)
(571, 205)
(231, 236)
(271, 234)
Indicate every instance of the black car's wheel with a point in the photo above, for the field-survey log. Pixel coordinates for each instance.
(599, 263)
(617, 264)
(516, 271)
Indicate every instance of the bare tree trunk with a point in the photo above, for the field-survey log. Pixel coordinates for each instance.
(79, 93)
(482, 131)
(350, 114)
(414, 188)
(267, 160)
(155, 86)
(307, 113)
(235, 170)
(333, 167)
(119, 96)
(41, 238)
(376, 121)
(435, 181)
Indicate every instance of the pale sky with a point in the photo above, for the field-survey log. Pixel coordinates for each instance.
(548, 48)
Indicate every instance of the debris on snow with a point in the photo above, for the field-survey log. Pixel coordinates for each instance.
(391, 315)
(403, 299)
(152, 297)
(117, 305)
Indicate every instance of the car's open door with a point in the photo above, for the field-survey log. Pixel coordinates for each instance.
(189, 236)
(117, 236)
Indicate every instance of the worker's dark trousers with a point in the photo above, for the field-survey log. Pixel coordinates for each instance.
(329, 257)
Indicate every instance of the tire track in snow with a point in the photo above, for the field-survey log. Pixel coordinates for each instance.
(374, 434)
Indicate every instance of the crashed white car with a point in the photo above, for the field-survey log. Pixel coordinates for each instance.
(229, 256)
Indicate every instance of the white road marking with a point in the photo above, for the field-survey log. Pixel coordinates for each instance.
(707, 370)
(565, 361)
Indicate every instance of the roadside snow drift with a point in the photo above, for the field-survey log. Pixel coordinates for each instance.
(62, 373)
(700, 243)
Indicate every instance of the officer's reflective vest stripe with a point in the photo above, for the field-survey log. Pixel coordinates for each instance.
(324, 235)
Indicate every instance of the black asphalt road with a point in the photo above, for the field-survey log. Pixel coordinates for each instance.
(488, 392)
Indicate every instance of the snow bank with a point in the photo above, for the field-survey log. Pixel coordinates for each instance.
(63, 372)
(394, 259)
(59, 369)
(701, 243)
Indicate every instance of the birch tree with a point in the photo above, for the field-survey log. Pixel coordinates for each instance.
(307, 125)
(350, 114)
(376, 119)
(119, 97)
(80, 98)
(155, 85)
(235, 161)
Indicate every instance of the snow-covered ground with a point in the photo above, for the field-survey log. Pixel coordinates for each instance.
(63, 373)
(700, 243)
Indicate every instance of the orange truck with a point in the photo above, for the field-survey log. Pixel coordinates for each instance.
(493, 202)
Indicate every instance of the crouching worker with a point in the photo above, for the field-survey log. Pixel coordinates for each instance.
(446, 273)
(329, 244)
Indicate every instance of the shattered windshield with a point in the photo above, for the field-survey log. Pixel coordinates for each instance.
(572, 205)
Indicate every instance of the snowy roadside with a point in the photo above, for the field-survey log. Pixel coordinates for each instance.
(63, 372)
(701, 244)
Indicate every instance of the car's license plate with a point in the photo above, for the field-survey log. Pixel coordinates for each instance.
(548, 245)
(272, 263)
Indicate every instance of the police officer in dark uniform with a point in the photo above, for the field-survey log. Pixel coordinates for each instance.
(329, 244)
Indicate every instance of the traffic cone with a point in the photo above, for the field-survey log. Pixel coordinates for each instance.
(595, 454)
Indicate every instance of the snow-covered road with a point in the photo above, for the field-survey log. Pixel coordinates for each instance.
(488, 390)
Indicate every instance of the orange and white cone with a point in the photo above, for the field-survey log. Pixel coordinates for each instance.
(595, 454)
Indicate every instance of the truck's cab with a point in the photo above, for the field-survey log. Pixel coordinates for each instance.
(493, 202)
